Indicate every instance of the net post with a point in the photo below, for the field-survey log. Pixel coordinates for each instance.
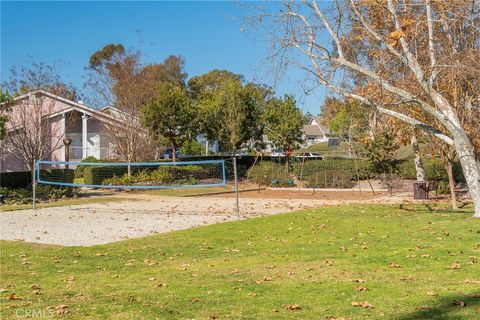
(237, 207)
(34, 178)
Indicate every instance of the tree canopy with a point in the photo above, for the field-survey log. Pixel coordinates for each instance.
(170, 116)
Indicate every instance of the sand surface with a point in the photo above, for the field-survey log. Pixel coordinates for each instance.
(100, 223)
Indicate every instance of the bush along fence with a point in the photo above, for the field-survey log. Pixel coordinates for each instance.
(343, 173)
(266, 171)
(16, 187)
(15, 180)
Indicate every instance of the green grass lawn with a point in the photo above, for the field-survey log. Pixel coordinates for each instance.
(329, 152)
(409, 263)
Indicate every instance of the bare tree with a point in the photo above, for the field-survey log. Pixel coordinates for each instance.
(118, 78)
(32, 133)
(388, 54)
(32, 76)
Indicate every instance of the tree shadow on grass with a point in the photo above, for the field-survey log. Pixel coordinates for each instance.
(436, 208)
(446, 307)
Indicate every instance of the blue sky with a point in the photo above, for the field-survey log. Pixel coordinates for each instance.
(207, 34)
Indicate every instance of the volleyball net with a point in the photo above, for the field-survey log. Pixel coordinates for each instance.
(134, 175)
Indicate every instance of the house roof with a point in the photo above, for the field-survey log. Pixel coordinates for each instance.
(75, 106)
(312, 130)
(317, 121)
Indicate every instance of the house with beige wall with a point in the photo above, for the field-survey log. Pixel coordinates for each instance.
(63, 118)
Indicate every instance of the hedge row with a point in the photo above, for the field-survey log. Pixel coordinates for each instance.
(341, 173)
(57, 175)
(98, 175)
(15, 180)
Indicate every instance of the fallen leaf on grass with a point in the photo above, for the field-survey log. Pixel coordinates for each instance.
(252, 294)
(329, 263)
(293, 307)
(358, 280)
(13, 297)
(424, 308)
(470, 281)
(161, 285)
(459, 303)
(431, 293)
(62, 309)
(394, 265)
(360, 288)
(364, 304)
(408, 278)
(99, 254)
(455, 266)
(267, 278)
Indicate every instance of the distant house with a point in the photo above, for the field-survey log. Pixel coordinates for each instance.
(85, 126)
(314, 132)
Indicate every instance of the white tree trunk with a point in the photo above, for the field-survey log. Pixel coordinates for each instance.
(471, 171)
(418, 159)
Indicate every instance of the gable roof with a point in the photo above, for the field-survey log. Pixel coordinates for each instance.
(312, 130)
(75, 106)
(316, 121)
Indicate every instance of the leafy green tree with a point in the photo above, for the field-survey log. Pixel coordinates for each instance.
(171, 117)
(230, 110)
(283, 123)
(192, 147)
(380, 153)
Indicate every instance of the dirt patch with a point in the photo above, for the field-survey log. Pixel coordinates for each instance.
(308, 195)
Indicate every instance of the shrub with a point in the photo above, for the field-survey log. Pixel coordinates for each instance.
(15, 180)
(79, 170)
(266, 172)
(192, 147)
(57, 175)
(43, 192)
(97, 174)
(48, 192)
(434, 170)
(332, 173)
(158, 176)
(340, 179)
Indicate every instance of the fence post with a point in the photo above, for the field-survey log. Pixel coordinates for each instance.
(34, 182)
(237, 208)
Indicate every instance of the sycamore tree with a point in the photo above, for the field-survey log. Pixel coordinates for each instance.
(170, 116)
(389, 56)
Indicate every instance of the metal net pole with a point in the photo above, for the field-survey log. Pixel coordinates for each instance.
(237, 206)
